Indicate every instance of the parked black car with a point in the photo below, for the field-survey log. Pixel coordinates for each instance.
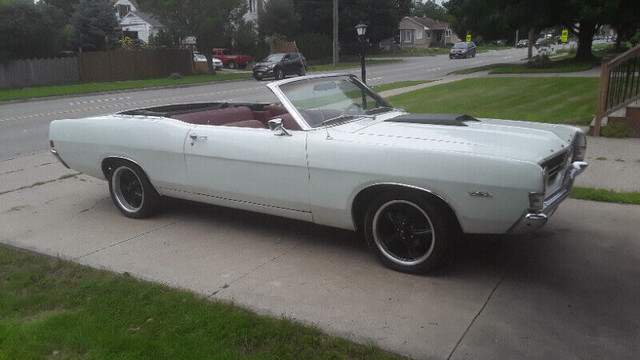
(463, 49)
(523, 43)
(280, 65)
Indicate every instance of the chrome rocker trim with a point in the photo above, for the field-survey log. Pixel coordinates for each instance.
(54, 152)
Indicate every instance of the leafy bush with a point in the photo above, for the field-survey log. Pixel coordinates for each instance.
(540, 62)
(314, 46)
(175, 76)
(614, 130)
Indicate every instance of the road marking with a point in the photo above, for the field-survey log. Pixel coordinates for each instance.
(130, 103)
(98, 100)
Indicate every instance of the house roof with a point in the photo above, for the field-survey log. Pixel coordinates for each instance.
(429, 23)
(148, 18)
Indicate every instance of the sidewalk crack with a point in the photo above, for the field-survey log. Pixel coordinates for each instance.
(506, 270)
(125, 240)
(226, 285)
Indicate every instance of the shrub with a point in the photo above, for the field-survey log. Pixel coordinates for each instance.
(175, 76)
(614, 130)
(314, 46)
(540, 62)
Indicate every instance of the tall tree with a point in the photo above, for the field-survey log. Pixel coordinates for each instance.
(94, 24)
(279, 17)
(66, 6)
(405, 7)
(430, 9)
(29, 30)
(211, 22)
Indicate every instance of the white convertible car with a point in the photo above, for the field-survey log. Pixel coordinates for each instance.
(333, 152)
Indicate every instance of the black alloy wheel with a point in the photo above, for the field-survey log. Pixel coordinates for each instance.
(407, 232)
(131, 190)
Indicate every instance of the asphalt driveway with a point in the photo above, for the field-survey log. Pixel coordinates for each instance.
(569, 291)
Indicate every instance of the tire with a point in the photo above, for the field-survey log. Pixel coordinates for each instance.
(131, 191)
(279, 74)
(259, 78)
(302, 71)
(450, 57)
(407, 232)
(232, 65)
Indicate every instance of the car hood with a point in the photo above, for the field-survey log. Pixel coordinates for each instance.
(265, 63)
(518, 140)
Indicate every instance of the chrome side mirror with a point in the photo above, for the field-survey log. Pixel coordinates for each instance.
(276, 125)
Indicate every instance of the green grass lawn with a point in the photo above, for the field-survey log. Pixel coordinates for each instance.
(553, 100)
(561, 65)
(84, 88)
(54, 309)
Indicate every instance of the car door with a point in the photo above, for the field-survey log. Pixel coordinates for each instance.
(289, 64)
(251, 165)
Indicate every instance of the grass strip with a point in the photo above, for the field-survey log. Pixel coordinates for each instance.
(605, 195)
(85, 88)
(350, 64)
(547, 99)
(565, 64)
(51, 308)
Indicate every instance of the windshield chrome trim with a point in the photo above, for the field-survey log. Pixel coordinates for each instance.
(275, 88)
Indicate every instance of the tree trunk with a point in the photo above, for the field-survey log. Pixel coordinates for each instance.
(585, 37)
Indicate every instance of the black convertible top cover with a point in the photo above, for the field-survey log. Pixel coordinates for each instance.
(435, 119)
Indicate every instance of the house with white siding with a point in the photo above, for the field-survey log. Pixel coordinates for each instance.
(134, 23)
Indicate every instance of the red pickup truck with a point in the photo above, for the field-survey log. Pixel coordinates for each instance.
(229, 60)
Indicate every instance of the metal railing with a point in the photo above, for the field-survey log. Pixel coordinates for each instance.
(619, 85)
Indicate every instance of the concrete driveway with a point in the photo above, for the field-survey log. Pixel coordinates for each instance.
(570, 291)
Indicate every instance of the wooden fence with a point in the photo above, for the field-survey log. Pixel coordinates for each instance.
(38, 72)
(131, 65)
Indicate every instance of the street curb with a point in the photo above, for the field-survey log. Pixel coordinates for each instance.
(108, 92)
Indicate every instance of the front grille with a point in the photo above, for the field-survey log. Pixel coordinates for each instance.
(554, 165)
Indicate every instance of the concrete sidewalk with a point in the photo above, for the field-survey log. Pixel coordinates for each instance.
(569, 291)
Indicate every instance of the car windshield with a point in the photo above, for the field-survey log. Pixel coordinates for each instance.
(273, 58)
(460, 45)
(333, 100)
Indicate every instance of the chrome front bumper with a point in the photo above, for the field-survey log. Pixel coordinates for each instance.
(532, 221)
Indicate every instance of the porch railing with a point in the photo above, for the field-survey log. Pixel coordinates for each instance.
(619, 85)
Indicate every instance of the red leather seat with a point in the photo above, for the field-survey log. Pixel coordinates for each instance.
(217, 116)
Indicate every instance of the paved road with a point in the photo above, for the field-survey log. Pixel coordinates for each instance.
(569, 291)
(24, 125)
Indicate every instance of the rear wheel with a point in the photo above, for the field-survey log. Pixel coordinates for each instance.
(131, 190)
(407, 232)
(302, 71)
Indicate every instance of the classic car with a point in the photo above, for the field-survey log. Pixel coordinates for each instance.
(333, 152)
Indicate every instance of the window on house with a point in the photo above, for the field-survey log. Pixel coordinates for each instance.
(418, 34)
(428, 34)
(448, 33)
(406, 36)
(123, 10)
(253, 6)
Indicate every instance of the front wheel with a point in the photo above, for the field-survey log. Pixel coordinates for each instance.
(131, 190)
(407, 232)
(232, 65)
(279, 74)
(302, 71)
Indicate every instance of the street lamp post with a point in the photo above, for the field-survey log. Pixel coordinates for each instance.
(361, 29)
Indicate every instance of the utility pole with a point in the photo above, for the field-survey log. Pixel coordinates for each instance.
(336, 54)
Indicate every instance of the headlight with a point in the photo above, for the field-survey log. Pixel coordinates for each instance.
(269, 67)
(580, 147)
